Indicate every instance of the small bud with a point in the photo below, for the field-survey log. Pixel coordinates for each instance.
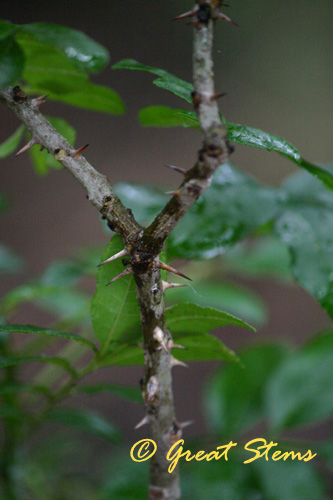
(151, 389)
(59, 154)
(159, 337)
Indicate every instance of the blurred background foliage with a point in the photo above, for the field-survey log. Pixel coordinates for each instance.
(277, 64)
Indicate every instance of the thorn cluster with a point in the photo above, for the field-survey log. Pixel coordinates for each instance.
(204, 11)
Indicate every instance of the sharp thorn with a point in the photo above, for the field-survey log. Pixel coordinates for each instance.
(31, 143)
(177, 362)
(162, 265)
(174, 193)
(167, 285)
(217, 96)
(171, 345)
(38, 101)
(177, 169)
(77, 152)
(160, 338)
(182, 425)
(191, 13)
(126, 272)
(142, 422)
(219, 15)
(123, 253)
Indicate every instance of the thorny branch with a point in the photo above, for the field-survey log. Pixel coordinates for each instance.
(144, 245)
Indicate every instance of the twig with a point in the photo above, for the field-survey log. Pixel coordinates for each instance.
(99, 191)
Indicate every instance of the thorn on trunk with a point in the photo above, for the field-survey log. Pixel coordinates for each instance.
(177, 362)
(171, 345)
(167, 285)
(191, 13)
(217, 96)
(177, 169)
(142, 422)
(122, 253)
(162, 265)
(38, 101)
(160, 338)
(77, 152)
(126, 272)
(31, 143)
(182, 425)
(173, 193)
(219, 15)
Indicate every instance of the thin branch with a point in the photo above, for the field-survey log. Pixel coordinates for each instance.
(99, 191)
(215, 150)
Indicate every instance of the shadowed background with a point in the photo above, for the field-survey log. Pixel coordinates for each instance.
(277, 71)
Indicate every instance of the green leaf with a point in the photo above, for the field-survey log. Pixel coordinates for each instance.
(234, 396)
(10, 263)
(85, 95)
(85, 421)
(249, 136)
(233, 207)
(306, 227)
(77, 46)
(72, 306)
(194, 319)
(43, 160)
(9, 146)
(12, 63)
(10, 389)
(265, 258)
(123, 355)
(288, 480)
(7, 30)
(166, 80)
(18, 360)
(49, 71)
(301, 391)
(203, 347)
(232, 298)
(126, 392)
(29, 329)
(163, 116)
(114, 308)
